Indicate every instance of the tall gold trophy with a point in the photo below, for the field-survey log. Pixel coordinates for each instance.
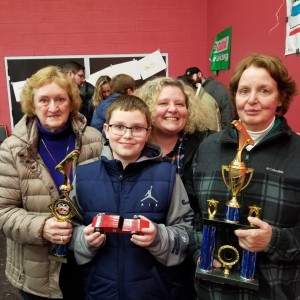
(62, 208)
(236, 177)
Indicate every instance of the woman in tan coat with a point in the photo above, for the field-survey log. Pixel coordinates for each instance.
(50, 129)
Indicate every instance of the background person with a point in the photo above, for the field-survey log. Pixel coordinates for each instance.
(262, 91)
(217, 90)
(101, 92)
(123, 266)
(214, 120)
(76, 72)
(121, 84)
(50, 129)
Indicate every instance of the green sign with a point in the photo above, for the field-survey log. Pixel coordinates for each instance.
(220, 54)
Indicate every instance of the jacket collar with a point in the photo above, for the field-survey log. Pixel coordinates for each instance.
(280, 128)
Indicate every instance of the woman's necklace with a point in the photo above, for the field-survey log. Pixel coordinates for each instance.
(50, 152)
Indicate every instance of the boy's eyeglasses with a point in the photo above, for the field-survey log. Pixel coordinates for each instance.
(120, 130)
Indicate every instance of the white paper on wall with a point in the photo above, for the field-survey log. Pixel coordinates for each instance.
(94, 77)
(151, 64)
(130, 68)
(17, 87)
(143, 68)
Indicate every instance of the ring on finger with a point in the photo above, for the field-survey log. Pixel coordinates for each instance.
(61, 239)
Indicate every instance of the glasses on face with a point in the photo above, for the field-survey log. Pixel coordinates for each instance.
(80, 75)
(120, 130)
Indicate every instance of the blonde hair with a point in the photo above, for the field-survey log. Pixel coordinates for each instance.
(97, 96)
(45, 76)
(150, 91)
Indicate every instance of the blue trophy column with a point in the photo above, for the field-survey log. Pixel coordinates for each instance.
(248, 264)
(208, 247)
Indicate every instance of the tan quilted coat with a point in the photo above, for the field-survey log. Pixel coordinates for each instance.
(26, 190)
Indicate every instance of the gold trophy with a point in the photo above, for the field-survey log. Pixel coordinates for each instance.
(62, 208)
(228, 256)
(238, 176)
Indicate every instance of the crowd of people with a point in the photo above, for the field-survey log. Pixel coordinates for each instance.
(154, 153)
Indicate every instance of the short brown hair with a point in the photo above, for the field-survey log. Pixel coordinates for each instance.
(121, 83)
(129, 103)
(45, 76)
(274, 66)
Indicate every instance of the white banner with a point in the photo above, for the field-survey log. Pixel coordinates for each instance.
(292, 27)
(146, 67)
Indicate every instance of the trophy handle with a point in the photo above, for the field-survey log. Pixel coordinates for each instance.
(65, 168)
(250, 172)
(227, 183)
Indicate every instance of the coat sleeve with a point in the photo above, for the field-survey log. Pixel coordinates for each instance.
(98, 119)
(172, 238)
(83, 252)
(284, 245)
(17, 223)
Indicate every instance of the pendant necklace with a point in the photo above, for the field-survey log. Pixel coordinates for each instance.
(50, 152)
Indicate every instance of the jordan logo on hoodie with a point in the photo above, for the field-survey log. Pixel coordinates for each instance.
(149, 196)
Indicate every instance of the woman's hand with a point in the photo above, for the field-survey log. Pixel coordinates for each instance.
(95, 239)
(147, 235)
(256, 239)
(57, 232)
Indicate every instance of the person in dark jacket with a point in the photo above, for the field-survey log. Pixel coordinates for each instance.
(131, 179)
(76, 72)
(217, 90)
(262, 91)
(121, 84)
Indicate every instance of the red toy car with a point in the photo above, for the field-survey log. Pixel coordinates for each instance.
(114, 223)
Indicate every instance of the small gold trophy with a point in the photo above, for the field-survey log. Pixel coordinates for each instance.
(62, 208)
(238, 176)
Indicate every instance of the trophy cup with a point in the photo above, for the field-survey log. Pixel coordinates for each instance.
(62, 208)
(236, 177)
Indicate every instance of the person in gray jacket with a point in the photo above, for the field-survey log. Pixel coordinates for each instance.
(217, 90)
(50, 129)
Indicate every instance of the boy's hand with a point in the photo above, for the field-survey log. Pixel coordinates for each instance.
(95, 239)
(147, 236)
(256, 239)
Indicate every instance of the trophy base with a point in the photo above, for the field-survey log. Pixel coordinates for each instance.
(61, 259)
(226, 223)
(234, 278)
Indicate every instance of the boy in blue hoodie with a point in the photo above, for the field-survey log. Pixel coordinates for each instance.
(131, 179)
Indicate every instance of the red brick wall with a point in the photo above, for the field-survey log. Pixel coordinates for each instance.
(252, 22)
(77, 27)
(183, 29)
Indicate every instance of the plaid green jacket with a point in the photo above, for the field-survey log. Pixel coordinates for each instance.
(275, 187)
